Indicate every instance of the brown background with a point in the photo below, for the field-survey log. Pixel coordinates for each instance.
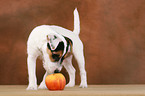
(113, 32)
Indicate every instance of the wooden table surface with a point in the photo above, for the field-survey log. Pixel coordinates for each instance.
(92, 90)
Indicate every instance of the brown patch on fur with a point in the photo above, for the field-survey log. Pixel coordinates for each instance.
(68, 54)
(71, 50)
(71, 46)
(59, 53)
(50, 54)
(47, 38)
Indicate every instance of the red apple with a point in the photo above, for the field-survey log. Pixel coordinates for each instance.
(55, 81)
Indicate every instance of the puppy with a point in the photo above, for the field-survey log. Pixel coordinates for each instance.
(55, 46)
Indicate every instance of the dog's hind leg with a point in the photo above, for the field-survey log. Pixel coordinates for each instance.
(79, 56)
(71, 71)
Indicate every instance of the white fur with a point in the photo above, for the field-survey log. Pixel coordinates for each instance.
(37, 45)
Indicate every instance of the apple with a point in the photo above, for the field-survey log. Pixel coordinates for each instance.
(55, 81)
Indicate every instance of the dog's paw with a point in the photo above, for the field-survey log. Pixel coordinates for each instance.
(42, 86)
(83, 85)
(32, 87)
(70, 85)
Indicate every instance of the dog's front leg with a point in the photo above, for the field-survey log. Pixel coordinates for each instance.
(42, 84)
(31, 63)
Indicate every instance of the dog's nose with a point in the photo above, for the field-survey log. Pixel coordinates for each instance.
(56, 71)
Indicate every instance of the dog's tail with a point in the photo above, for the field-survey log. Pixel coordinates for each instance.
(76, 22)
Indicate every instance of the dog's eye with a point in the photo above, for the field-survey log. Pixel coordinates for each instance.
(54, 37)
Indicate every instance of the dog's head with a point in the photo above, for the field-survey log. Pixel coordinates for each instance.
(55, 47)
(57, 50)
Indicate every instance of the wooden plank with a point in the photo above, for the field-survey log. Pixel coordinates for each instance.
(92, 90)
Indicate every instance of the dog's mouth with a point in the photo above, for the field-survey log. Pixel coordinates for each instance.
(56, 71)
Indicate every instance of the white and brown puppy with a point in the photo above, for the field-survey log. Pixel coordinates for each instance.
(55, 45)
